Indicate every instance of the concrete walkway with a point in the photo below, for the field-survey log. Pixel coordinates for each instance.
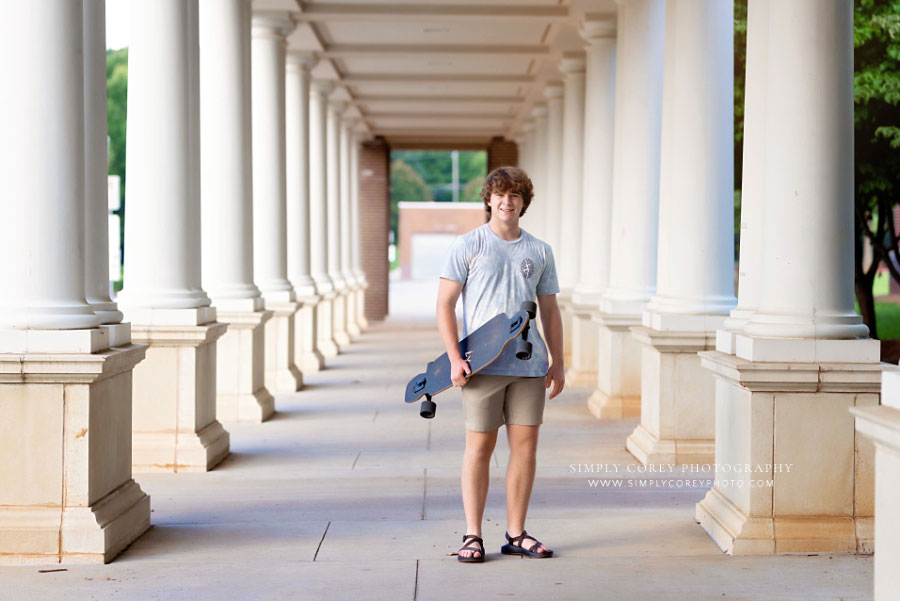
(348, 494)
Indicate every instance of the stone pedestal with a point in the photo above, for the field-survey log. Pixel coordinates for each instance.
(324, 313)
(881, 425)
(781, 407)
(174, 423)
(339, 318)
(351, 311)
(361, 306)
(618, 392)
(677, 399)
(68, 496)
(582, 371)
(306, 351)
(282, 374)
(241, 394)
(564, 299)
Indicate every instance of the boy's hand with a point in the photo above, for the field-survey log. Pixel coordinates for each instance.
(459, 371)
(556, 375)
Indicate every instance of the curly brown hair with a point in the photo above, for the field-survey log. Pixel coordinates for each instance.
(507, 179)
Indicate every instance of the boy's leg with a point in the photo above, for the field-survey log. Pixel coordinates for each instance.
(524, 411)
(475, 479)
(520, 478)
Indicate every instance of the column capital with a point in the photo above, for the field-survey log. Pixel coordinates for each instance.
(271, 24)
(539, 111)
(301, 59)
(597, 26)
(573, 62)
(553, 90)
(323, 87)
(528, 126)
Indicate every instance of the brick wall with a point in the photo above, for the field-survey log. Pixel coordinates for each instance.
(374, 223)
(502, 153)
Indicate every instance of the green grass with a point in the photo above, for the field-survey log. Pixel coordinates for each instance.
(887, 316)
(881, 285)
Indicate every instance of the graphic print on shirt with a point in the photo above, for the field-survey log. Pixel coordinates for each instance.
(527, 268)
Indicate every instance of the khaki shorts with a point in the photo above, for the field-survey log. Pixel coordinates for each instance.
(490, 401)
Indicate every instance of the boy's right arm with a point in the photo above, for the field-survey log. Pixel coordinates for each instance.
(448, 294)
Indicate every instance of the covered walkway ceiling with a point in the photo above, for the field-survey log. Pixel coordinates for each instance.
(439, 71)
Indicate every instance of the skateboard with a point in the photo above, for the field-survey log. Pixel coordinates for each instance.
(480, 348)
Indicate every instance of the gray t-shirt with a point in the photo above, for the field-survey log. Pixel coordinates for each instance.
(497, 277)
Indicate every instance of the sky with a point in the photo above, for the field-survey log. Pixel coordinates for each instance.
(118, 26)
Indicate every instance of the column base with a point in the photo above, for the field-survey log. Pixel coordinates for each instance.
(565, 309)
(582, 372)
(282, 373)
(175, 427)
(361, 320)
(339, 320)
(65, 434)
(810, 489)
(326, 344)
(241, 394)
(677, 399)
(648, 449)
(352, 327)
(306, 350)
(739, 534)
(603, 406)
(618, 392)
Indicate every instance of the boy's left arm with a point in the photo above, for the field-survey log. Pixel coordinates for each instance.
(553, 332)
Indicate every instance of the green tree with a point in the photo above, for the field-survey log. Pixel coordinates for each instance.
(876, 38)
(406, 185)
(740, 61)
(471, 192)
(116, 107)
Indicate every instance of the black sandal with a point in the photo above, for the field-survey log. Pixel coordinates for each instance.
(514, 548)
(472, 559)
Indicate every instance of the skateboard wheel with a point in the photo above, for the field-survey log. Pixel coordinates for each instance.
(530, 307)
(428, 409)
(523, 350)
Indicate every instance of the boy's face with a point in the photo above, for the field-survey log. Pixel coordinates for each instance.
(506, 207)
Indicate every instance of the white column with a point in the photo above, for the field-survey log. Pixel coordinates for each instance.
(695, 266)
(570, 203)
(336, 109)
(635, 200)
(175, 426)
(596, 172)
(753, 181)
(65, 402)
(297, 83)
(346, 226)
(361, 321)
(803, 360)
(96, 172)
(318, 214)
(806, 288)
(227, 209)
(553, 165)
(535, 221)
(269, 31)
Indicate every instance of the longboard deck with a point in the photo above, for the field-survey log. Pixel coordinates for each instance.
(480, 348)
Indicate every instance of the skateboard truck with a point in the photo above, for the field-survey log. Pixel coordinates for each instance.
(523, 346)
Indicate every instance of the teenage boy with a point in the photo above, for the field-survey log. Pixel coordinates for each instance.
(496, 267)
